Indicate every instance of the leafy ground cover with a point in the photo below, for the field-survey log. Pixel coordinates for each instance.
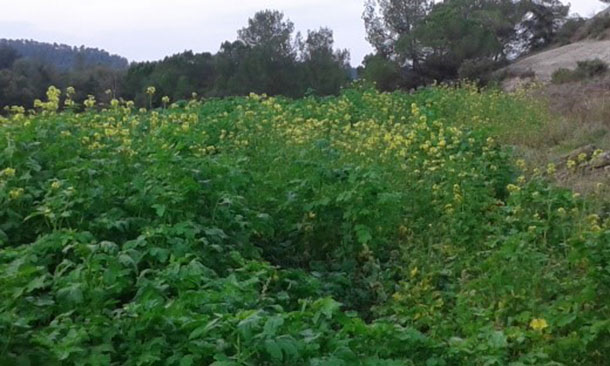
(363, 229)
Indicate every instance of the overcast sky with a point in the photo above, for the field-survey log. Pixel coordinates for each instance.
(151, 29)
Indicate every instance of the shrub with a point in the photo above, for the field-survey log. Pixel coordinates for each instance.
(584, 70)
(591, 68)
(479, 70)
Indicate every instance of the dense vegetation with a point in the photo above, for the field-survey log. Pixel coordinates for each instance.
(363, 229)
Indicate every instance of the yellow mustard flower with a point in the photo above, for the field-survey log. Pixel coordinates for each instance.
(15, 193)
(8, 172)
(538, 324)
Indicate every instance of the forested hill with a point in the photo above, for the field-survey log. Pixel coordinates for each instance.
(64, 57)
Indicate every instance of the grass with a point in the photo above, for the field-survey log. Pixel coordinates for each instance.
(363, 229)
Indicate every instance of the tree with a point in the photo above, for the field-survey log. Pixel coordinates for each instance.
(268, 29)
(463, 30)
(431, 40)
(542, 21)
(8, 56)
(325, 70)
(268, 63)
(386, 74)
(389, 21)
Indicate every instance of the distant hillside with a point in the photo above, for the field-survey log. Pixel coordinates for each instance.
(64, 57)
(590, 41)
(543, 64)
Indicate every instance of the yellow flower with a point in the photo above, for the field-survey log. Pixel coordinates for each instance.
(165, 99)
(550, 169)
(55, 185)
(538, 324)
(8, 172)
(521, 164)
(513, 188)
(151, 90)
(571, 164)
(90, 101)
(414, 272)
(15, 193)
(582, 157)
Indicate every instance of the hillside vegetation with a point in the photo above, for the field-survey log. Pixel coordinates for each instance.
(63, 57)
(363, 229)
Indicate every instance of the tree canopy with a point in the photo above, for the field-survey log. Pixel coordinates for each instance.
(453, 38)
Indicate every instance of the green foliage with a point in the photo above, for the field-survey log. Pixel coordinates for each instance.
(447, 40)
(384, 73)
(363, 229)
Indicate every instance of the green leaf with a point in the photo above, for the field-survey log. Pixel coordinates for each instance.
(497, 340)
(37, 283)
(186, 361)
(363, 234)
(159, 209)
(200, 331)
(72, 294)
(274, 349)
(272, 324)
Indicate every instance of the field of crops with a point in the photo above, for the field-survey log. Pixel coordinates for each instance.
(364, 229)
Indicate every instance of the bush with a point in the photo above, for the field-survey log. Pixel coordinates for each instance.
(591, 68)
(479, 70)
(563, 75)
(584, 70)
